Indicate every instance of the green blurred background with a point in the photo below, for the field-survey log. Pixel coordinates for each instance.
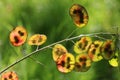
(51, 17)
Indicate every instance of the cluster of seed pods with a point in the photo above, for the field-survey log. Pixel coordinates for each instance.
(86, 51)
(18, 37)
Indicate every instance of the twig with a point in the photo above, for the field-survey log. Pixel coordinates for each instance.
(43, 48)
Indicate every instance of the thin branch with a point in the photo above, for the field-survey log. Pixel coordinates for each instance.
(37, 61)
(43, 48)
(72, 33)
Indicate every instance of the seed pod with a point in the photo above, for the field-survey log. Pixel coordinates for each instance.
(108, 49)
(11, 75)
(79, 15)
(37, 39)
(83, 63)
(94, 51)
(114, 61)
(18, 36)
(65, 63)
(58, 50)
(82, 45)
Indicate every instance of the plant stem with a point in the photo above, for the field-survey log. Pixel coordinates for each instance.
(34, 52)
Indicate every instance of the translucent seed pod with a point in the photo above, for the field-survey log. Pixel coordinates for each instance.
(58, 50)
(11, 75)
(108, 49)
(83, 63)
(114, 61)
(65, 63)
(82, 45)
(94, 51)
(18, 36)
(79, 15)
(37, 39)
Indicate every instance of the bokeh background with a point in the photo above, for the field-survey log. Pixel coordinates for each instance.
(51, 17)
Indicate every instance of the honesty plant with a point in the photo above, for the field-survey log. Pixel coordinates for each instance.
(87, 50)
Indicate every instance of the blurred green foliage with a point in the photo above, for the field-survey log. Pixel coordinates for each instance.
(51, 17)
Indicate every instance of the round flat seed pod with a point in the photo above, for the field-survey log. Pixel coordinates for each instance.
(83, 63)
(79, 15)
(94, 51)
(108, 49)
(114, 61)
(82, 45)
(58, 50)
(37, 39)
(11, 75)
(65, 63)
(18, 36)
